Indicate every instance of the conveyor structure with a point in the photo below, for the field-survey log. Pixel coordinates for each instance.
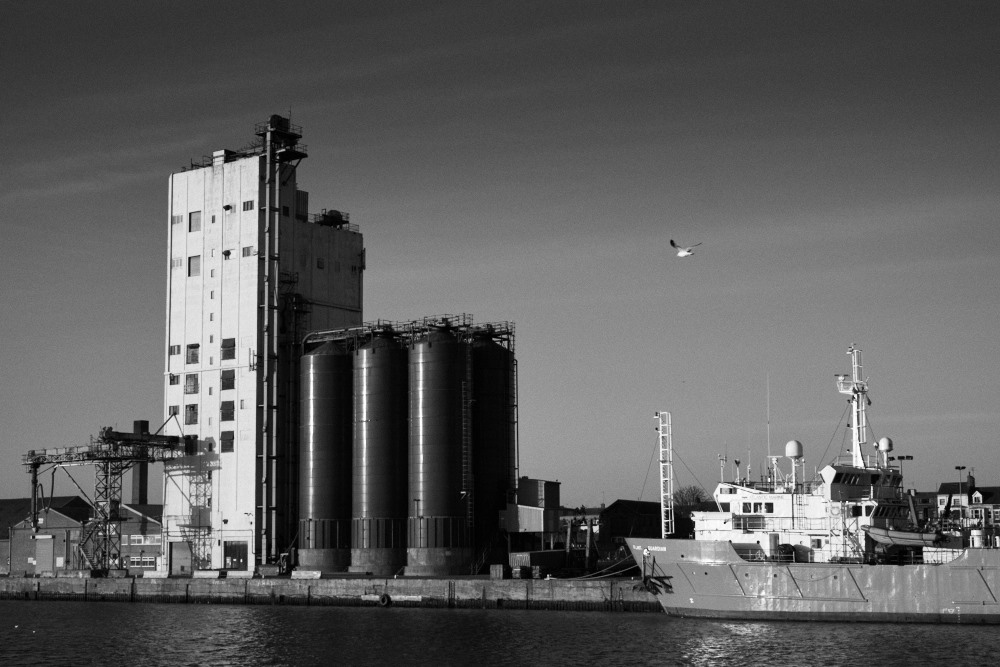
(112, 453)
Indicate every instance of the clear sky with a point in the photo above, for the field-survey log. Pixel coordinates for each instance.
(529, 162)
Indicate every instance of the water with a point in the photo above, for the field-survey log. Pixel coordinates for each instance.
(102, 633)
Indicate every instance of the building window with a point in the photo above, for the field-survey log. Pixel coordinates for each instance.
(320, 263)
(226, 441)
(248, 205)
(228, 380)
(248, 251)
(194, 266)
(192, 353)
(191, 383)
(191, 413)
(173, 410)
(176, 262)
(228, 348)
(284, 211)
(211, 317)
(174, 349)
(194, 221)
(175, 379)
(211, 293)
(176, 219)
(228, 411)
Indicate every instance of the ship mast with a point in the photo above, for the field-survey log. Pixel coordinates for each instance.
(857, 389)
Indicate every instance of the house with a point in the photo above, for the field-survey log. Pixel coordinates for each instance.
(53, 548)
(627, 518)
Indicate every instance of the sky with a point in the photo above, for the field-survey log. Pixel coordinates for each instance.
(530, 162)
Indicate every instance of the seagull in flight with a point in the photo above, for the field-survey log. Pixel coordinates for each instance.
(682, 251)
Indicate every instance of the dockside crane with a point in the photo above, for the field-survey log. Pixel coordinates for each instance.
(112, 453)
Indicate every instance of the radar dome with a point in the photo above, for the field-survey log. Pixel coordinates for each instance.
(793, 449)
(885, 444)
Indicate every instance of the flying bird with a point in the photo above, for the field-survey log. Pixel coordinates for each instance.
(682, 251)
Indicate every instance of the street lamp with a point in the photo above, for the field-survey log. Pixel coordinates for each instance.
(900, 459)
(961, 512)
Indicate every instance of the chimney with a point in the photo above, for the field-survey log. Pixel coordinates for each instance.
(140, 471)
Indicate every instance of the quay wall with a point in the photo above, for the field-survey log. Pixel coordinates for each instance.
(625, 595)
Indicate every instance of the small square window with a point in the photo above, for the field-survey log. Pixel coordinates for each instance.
(176, 262)
(176, 219)
(173, 410)
(174, 349)
(175, 379)
(248, 251)
(284, 211)
(248, 205)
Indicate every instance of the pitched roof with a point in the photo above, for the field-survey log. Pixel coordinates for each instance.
(15, 510)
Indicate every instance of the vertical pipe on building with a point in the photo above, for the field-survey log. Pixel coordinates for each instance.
(265, 523)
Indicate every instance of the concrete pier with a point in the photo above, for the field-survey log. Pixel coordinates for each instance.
(625, 595)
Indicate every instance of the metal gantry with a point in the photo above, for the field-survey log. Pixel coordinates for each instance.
(112, 453)
(666, 473)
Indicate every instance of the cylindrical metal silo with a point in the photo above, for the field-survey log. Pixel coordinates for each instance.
(438, 539)
(493, 434)
(325, 458)
(378, 528)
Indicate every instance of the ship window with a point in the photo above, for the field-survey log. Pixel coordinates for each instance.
(817, 543)
(768, 508)
(757, 507)
(746, 508)
(724, 506)
(876, 478)
(868, 510)
(855, 510)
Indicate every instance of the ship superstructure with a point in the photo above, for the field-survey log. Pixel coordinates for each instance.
(822, 520)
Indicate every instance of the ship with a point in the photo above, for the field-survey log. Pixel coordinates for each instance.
(845, 546)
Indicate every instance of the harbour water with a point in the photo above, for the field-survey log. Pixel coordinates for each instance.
(109, 634)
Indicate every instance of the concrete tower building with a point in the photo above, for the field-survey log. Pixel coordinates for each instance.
(250, 272)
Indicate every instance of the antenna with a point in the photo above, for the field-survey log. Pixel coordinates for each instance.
(769, 414)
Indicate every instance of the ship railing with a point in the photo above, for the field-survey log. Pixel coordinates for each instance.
(756, 523)
(783, 487)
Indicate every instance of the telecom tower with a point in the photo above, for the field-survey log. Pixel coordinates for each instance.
(250, 273)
